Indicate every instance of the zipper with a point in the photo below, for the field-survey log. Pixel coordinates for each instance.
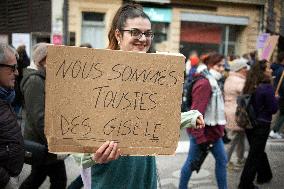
(7, 148)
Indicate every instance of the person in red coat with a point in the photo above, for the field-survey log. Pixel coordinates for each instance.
(207, 98)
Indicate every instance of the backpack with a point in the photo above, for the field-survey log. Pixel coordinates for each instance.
(187, 93)
(245, 115)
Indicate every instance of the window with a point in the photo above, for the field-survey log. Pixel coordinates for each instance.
(93, 29)
(160, 30)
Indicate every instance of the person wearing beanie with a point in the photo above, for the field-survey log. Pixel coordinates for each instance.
(33, 89)
(188, 64)
(239, 64)
(194, 62)
(232, 89)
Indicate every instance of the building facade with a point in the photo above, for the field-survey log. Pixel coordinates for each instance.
(227, 26)
(89, 21)
(230, 27)
(25, 21)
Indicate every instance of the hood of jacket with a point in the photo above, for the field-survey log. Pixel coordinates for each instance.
(27, 73)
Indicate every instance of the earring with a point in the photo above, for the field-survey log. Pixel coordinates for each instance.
(118, 42)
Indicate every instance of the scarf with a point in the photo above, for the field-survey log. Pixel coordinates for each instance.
(7, 95)
(214, 113)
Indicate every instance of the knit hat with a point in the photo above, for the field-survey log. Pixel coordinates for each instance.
(39, 53)
(238, 64)
(194, 60)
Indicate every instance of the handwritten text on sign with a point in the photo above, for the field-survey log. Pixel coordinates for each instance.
(96, 95)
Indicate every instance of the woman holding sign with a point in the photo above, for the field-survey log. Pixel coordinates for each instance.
(130, 31)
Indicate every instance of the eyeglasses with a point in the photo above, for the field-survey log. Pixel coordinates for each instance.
(137, 34)
(13, 67)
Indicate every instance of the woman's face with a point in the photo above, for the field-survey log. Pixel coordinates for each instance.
(131, 38)
(268, 71)
(219, 67)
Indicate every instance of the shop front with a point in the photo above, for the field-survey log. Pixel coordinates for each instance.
(206, 33)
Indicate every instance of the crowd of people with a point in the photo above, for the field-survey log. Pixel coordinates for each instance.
(220, 80)
(235, 76)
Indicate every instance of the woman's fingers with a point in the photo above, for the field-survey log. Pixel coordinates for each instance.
(98, 154)
(113, 154)
(200, 122)
(107, 152)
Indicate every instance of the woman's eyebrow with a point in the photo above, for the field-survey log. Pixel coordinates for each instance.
(140, 30)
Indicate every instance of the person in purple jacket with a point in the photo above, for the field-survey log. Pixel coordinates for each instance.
(207, 98)
(258, 84)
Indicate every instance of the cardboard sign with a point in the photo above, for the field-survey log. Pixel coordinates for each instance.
(97, 95)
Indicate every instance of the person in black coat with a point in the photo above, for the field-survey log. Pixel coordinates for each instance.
(23, 61)
(11, 141)
(277, 72)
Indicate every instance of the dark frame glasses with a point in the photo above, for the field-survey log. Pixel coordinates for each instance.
(13, 67)
(138, 34)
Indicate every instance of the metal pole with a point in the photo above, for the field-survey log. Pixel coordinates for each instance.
(65, 22)
(227, 30)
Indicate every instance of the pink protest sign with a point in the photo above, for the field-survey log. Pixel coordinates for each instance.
(262, 38)
(269, 47)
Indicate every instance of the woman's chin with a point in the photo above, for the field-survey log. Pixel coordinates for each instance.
(139, 49)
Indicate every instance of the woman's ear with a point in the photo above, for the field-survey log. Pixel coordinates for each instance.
(118, 36)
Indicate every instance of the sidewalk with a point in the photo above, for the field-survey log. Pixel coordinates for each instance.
(169, 169)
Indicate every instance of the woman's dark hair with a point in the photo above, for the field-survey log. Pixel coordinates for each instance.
(126, 11)
(212, 59)
(87, 45)
(256, 76)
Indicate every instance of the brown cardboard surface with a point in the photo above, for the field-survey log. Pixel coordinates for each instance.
(96, 95)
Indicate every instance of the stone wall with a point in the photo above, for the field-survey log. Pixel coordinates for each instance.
(76, 7)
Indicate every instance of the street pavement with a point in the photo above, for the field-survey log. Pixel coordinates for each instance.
(169, 169)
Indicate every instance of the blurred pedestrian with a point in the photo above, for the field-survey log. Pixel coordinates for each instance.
(233, 87)
(209, 138)
(194, 62)
(188, 63)
(23, 61)
(258, 84)
(11, 141)
(275, 132)
(33, 89)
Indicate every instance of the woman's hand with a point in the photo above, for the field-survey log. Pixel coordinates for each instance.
(107, 152)
(200, 122)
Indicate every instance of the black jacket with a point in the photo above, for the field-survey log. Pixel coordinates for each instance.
(11, 144)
